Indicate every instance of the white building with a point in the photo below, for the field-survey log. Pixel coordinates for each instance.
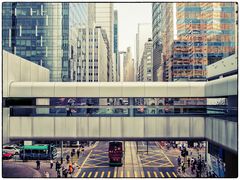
(105, 19)
(146, 64)
(93, 56)
(128, 66)
(142, 36)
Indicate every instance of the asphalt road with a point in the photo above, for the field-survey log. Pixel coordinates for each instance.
(153, 163)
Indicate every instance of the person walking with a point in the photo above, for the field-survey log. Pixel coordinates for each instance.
(183, 167)
(70, 169)
(67, 158)
(188, 160)
(78, 153)
(38, 164)
(82, 150)
(51, 164)
(179, 160)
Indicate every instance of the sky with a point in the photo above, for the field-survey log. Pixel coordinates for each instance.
(129, 15)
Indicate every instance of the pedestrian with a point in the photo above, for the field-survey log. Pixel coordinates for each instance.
(70, 169)
(38, 164)
(65, 172)
(72, 153)
(46, 174)
(58, 166)
(188, 160)
(78, 153)
(82, 150)
(67, 158)
(183, 167)
(51, 164)
(179, 160)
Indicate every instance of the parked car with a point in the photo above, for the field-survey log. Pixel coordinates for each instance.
(7, 155)
(11, 149)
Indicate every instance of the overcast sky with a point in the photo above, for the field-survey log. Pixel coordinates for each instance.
(129, 15)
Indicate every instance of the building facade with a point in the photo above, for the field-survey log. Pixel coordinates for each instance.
(143, 34)
(115, 50)
(146, 65)
(105, 20)
(156, 37)
(93, 55)
(45, 33)
(128, 66)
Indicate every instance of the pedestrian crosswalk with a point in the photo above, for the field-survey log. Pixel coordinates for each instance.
(123, 174)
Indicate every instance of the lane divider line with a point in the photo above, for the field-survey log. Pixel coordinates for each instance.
(89, 175)
(109, 174)
(135, 174)
(142, 173)
(79, 170)
(155, 174)
(96, 173)
(162, 174)
(102, 174)
(168, 174)
(148, 173)
(83, 174)
(174, 174)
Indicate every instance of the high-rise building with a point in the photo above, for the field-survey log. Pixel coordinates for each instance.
(143, 34)
(93, 55)
(105, 19)
(146, 64)
(128, 66)
(156, 37)
(214, 21)
(45, 33)
(115, 49)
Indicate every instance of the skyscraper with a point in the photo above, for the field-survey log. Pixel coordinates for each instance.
(116, 45)
(144, 32)
(105, 19)
(128, 66)
(46, 34)
(146, 64)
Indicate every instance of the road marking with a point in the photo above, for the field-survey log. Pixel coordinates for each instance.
(89, 174)
(96, 173)
(174, 174)
(115, 174)
(142, 173)
(83, 174)
(128, 174)
(102, 174)
(135, 174)
(162, 174)
(148, 173)
(79, 170)
(155, 174)
(168, 174)
(121, 173)
(109, 173)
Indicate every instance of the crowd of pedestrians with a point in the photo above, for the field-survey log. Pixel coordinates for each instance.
(61, 169)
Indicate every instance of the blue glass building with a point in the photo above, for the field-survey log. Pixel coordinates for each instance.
(45, 33)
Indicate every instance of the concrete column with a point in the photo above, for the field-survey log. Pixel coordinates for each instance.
(131, 110)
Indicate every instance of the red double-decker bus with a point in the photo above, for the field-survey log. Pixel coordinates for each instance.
(115, 153)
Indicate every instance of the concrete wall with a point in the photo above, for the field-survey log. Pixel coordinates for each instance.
(222, 131)
(17, 69)
(106, 127)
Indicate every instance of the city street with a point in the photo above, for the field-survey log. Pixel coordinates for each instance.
(140, 160)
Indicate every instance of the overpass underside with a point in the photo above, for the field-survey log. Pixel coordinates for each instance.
(218, 130)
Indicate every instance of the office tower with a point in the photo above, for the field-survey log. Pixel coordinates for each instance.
(93, 55)
(156, 37)
(146, 64)
(128, 66)
(105, 19)
(144, 32)
(115, 50)
(45, 33)
(215, 22)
